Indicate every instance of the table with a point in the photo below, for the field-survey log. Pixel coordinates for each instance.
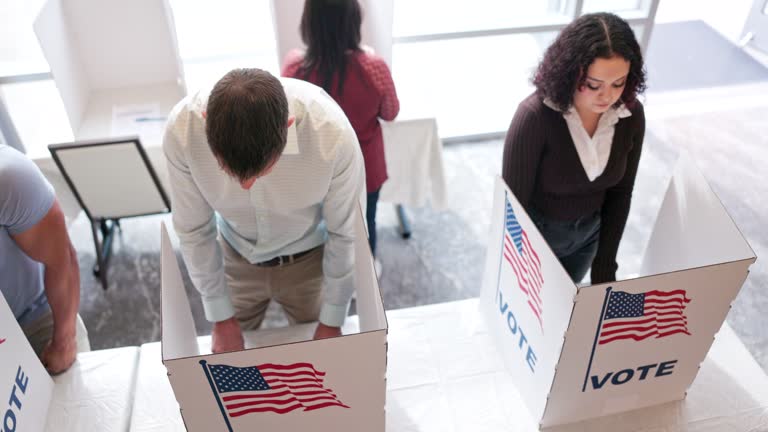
(444, 374)
(414, 155)
(96, 393)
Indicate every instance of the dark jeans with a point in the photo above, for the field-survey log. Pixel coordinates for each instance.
(574, 242)
(370, 217)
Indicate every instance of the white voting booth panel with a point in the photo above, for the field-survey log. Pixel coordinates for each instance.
(25, 387)
(527, 299)
(291, 384)
(615, 347)
(95, 393)
(107, 55)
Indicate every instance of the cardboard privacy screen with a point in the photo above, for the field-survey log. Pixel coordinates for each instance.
(25, 387)
(107, 57)
(330, 384)
(582, 353)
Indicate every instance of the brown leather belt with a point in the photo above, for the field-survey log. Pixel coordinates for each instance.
(285, 259)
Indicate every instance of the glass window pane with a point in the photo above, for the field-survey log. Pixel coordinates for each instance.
(19, 51)
(623, 8)
(423, 17)
(38, 114)
(472, 85)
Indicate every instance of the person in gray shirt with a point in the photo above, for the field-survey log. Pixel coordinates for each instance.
(39, 273)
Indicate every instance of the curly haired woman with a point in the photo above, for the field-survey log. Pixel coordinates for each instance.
(573, 147)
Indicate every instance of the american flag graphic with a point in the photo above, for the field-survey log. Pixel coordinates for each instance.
(271, 388)
(641, 316)
(524, 261)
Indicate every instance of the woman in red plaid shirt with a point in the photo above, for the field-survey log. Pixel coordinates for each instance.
(358, 80)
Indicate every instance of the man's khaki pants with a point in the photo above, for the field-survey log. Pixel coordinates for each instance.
(296, 286)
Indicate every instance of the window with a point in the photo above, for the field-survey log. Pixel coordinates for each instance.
(470, 63)
(38, 114)
(472, 85)
(425, 17)
(20, 53)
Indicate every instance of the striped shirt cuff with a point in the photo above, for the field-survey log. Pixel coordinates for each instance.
(218, 308)
(333, 315)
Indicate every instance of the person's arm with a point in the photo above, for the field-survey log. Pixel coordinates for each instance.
(340, 209)
(48, 243)
(616, 206)
(523, 149)
(382, 79)
(195, 224)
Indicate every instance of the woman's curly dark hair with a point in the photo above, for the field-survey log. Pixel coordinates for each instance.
(591, 36)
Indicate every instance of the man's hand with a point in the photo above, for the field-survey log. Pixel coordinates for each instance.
(323, 331)
(59, 354)
(227, 336)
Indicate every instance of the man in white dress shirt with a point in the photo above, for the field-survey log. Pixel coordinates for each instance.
(266, 175)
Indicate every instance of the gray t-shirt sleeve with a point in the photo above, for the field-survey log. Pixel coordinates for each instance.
(25, 194)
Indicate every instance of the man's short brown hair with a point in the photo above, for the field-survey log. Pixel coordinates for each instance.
(246, 122)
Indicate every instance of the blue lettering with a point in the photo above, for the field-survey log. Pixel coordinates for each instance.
(664, 367)
(14, 400)
(514, 328)
(597, 385)
(626, 375)
(22, 380)
(618, 381)
(502, 309)
(530, 358)
(644, 370)
(9, 421)
(510, 319)
(523, 339)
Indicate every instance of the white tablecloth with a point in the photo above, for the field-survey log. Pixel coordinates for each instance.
(414, 156)
(445, 375)
(96, 394)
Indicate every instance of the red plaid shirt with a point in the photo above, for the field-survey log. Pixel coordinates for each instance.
(368, 95)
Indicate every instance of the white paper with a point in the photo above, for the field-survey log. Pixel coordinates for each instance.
(146, 121)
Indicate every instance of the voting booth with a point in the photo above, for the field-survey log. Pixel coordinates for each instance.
(111, 59)
(580, 353)
(289, 381)
(25, 385)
